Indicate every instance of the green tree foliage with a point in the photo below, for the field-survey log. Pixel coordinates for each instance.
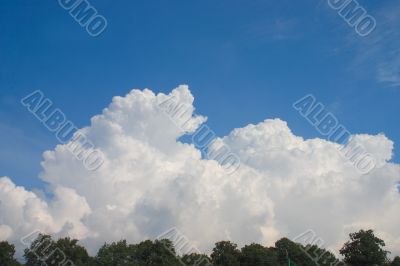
(255, 254)
(225, 253)
(296, 252)
(7, 252)
(321, 257)
(74, 252)
(116, 253)
(396, 261)
(146, 253)
(44, 250)
(365, 249)
(39, 251)
(309, 255)
(159, 252)
(195, 259)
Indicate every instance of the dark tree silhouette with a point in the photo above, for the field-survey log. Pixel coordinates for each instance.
(195, 259)
(225, 253)
(364, 249)
(396, 261)
(44, 250)
(7, 252)
(116, 253)
(160, 252)
(297, 254)
(74, 252)
(255, 254)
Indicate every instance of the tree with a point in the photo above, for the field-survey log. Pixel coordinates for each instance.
(396, 261)
(117, 253)
(39, 251)
(146, 253)
(255, 254)
(365, 249)
(225, 253)
(45, 251)
(74, 252)
(321, 257)
(7, 252)
(287, 249)
(160, 252)
(195, 259)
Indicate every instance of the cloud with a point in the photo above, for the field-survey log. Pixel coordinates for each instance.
(388, 70)
(378, 54)
(150, 181)
(274, 29)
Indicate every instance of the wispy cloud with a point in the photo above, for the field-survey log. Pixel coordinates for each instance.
(274, 29)
(388, 45)
(379, 53)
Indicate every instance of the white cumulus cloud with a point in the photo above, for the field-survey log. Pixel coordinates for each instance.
(150, 181)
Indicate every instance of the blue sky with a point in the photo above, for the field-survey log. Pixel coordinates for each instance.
(244, 61)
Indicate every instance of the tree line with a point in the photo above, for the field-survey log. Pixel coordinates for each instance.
(362, 249)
